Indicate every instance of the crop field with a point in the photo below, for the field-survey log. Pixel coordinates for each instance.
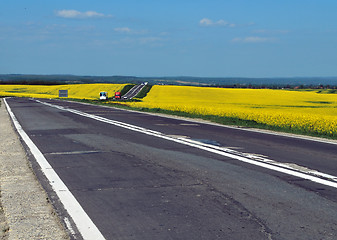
(305, 112)
(76, 91)
(312, 112)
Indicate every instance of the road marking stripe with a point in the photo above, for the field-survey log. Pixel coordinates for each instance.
(200, 121)
(189, 124)
(82, 221)
(261, 158)
(72, 153)
(313, 175)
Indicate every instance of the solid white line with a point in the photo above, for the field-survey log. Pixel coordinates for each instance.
(82, 221)
(268, 161)
(275, 166)
(255, 130)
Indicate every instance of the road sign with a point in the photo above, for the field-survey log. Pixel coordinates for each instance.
(63, 93)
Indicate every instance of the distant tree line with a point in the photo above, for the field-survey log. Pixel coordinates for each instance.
(275, 86)
(271, 83)
(33, 82)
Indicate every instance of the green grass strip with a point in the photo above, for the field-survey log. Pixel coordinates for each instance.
(212, 118)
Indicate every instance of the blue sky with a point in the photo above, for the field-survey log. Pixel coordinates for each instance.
(206, 38)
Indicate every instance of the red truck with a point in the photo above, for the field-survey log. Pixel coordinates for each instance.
(118, 95)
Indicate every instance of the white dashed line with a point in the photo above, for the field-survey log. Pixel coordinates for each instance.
(297, 171)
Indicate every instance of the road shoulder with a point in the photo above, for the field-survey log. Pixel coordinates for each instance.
(27, 213)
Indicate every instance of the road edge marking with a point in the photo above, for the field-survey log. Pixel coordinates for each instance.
(84, 224)
(205, 147)
(202, 121)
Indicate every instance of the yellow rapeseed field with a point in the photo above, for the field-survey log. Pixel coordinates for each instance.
(78, 91)
(306, 111)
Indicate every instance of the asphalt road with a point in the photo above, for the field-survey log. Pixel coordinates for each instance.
(133, 91)
(140, 184)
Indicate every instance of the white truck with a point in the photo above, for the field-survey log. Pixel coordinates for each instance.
(103, 96)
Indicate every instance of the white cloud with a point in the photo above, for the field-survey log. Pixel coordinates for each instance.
(208, 22)
(77, 14)
(205, 22)
(164, 34)
(146, 40)
(253, 39)
(127, 30)
(123, 30)
(264, 31)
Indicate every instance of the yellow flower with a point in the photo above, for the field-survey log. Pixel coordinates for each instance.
(78, 91)
(307, 111)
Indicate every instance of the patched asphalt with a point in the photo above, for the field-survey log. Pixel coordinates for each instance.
(135, 186)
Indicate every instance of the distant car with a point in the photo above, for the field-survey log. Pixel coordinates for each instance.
(103, 96)
(118, 95)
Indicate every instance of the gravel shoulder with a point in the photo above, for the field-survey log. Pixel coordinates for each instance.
(25, 212)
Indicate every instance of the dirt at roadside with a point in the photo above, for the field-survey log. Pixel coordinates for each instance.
(3, 224)
(25, 212)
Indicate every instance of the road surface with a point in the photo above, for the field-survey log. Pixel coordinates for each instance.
(140, 176)
(133, 91)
